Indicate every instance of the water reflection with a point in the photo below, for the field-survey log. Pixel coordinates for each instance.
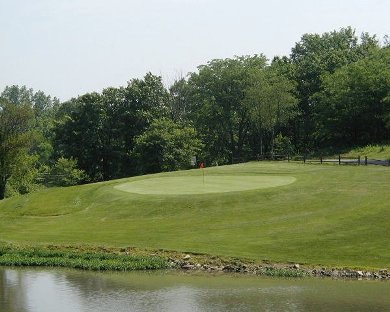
(30, 290)
(12, 297)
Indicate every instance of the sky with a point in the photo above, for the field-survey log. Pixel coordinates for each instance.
(70, 47)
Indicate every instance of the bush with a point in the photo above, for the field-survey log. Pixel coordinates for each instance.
(283, 145)
(65, 173)
(24, 177)
(166, 146)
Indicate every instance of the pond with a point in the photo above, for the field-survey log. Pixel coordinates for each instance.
(40, 290)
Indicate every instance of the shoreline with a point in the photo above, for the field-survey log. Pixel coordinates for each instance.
(131, 258)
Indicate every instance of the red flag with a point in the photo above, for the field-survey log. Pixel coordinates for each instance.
(201, 165)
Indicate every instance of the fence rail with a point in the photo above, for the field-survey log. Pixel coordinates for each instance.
(359, 160)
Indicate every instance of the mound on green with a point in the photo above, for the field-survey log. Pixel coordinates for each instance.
(203, 185)
(330, 215)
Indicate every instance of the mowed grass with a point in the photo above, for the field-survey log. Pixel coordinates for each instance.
(331, 215)
(195, 184)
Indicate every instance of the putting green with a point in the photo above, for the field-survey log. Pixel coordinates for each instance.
(211, 184)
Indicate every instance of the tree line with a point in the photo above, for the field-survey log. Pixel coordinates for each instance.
(332, 91)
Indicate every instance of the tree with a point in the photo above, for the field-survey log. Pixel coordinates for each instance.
(353, 106)
(79, 133)
(65, 173)
(145, 100)
(15, 138)
(316, 55)
(166, 146)
(99, 130)
(180, 105)
(18, 95)
(217, 95)
(283, 145)
(25, 176)
(270, 102)
(23, 95)
(44, 107)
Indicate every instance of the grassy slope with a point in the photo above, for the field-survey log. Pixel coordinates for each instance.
(332, 215)
(371, 151)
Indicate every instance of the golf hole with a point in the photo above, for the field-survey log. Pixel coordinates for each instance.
(196, 184)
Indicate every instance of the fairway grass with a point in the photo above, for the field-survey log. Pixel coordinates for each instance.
(203, 185)
(326, 215)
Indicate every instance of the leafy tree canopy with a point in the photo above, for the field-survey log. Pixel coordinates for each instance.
(353, 105)
(217, 97)
(166, 146)
(15, 138)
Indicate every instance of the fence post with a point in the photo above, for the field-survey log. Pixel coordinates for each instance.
(321, 159)
(304, 158)
(359, 160)
(339, 159)
(365, 160)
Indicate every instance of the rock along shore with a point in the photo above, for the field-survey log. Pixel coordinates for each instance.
(193, 262)
(189, 263)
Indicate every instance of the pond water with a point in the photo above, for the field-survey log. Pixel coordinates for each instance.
(40, 290)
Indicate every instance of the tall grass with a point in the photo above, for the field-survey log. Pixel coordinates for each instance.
(79, 260)
(371, 151)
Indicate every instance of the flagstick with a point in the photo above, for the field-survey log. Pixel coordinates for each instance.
(203, 175)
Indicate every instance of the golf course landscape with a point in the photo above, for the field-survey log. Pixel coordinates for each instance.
(327, 215)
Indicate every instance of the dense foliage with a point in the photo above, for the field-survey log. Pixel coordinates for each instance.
(15, 139)
(332, 91)
(166, 146)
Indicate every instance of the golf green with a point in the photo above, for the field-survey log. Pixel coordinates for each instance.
(199, 185)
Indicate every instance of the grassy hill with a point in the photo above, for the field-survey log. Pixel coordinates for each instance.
(371, 151)
(322, 214)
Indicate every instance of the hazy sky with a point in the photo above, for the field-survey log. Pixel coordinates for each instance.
(69, 47)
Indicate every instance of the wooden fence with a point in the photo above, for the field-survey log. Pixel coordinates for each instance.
(358, 160)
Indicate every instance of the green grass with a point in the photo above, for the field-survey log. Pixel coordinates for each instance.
(371, 151)
(96, 261)
(197, 184)
(331, 215)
